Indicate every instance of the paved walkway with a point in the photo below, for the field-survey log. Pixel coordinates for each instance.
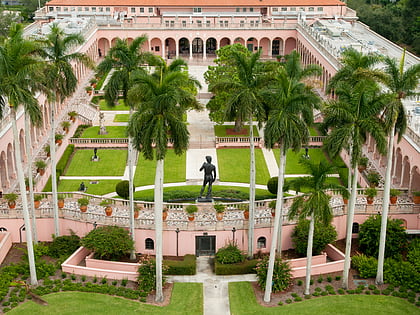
(215, 288)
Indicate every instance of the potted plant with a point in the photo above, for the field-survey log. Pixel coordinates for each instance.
(93, 82)
(220, 208)
(272, 206)
(191, 209)
(363, 163)
(27, 183)
(66, 125)
(107, 204)
(416, 197)
(164, 213)
(373, 178)
(40, 167)
(37, 201)
(393, 195)
(83, 203)
(370, 193)
(345, 195)
(137, 210)
(11, 199)
(245, 209)
(60, 201)
(72, 115)
(59, 138)
(89, 90)
(47, 150)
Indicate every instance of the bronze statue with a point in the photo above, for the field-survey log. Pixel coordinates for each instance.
(209, 176)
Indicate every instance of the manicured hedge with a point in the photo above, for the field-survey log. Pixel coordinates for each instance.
(245, 267)
(61, 165)
(184, 267)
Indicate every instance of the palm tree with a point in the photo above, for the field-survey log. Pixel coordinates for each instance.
(315, 203)
(161, 100)
(292, 104)
(61, 82)
(126, 59)
(244, 102)
(402, 84)
(351, 119)
(19, 74)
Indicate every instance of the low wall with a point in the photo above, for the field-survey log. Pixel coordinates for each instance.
(113, 265)
(5, 245)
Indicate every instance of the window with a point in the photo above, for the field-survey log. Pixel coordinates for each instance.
(208, 23)
(149, 244)
(275, 9)
(58, 9)
(150, 10)
(51, 9)
(172, 23)
(301, 9)
(197, 10)
(93, 9)
(238, 9)
(311, 9)
(184, 23)
(242, 23)
(141, 10)
(251, 9)
(86, 8)
(133, 10)
(3, 229)
(157, 48)
(252, 23)
(167, 23)
(199, 24)
(284, 9)
(79, 8)
(101, 9)
(244, 10)
(293, 9)
(72, 9)
(66, 9)
(355, 227)
(320, 9)
(226, 23)
(107, 9)
(261, 242)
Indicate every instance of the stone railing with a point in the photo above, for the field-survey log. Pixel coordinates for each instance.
(95, 141)
(413, 136)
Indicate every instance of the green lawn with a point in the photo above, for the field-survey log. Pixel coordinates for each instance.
(234, 166)
(111, 163)
(120, 106)
(113, 132)
(121, 117)
(175, 169)
(259, 193)
(292, 159)
(220, 131)
(187, 298)
(102, 188)
(242, 302)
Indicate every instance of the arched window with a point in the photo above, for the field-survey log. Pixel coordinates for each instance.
(149, 244)
(3, 229)
(261, 242)
(355, 228)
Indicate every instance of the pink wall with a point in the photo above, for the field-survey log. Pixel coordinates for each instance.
(5, 245)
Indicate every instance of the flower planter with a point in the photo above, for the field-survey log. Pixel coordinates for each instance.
(12, 204)
(83, 208)
(273, 212)
(41, 171)
(108, 211)
(60, 203)
(136, 214)
(59, 141)
(37, 204)
(164, 215)
(416, 200)
(191, 217)
(369, 200)
(345, 201)
(246, 215)
(393, 200)
(219, 216)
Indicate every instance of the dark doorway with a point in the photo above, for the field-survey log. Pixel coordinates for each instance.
(276, 48)
(205, 245)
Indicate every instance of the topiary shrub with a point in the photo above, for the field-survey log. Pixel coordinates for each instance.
(272, 185)
(282, 276)
(184, 267)
(396, 237)
(323, 235)
(229, 254)
(122, 189)
(366, 266)
(108, 242)
(245, 267)
(64, 245)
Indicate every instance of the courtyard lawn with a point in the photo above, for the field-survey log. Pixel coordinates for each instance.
(243, 302)
(187, 298)
(260, 194)
(292, 159)
(234, 166)
(175, 169)
(220, 131)
(121, 117)
(101, 188)
(121, 106)
(111, 163)
(113, 132)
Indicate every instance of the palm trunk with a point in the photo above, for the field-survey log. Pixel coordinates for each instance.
(30, 179)
(25, 210)
(309, 255)
(350, 216)
(350, 172)
(131, 192)
(278, 222)
(159, 228)
(385, 202)
(54, 172)
(251, 191)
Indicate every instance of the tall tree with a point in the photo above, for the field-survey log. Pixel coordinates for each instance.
(125, 59)
(61, 82)
(161, 99)
(19, 74)
(244, 101)
(292, 103)
(314, 203)
(350, 119)
(402, 84)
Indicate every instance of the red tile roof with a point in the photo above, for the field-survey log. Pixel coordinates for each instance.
(194, 3)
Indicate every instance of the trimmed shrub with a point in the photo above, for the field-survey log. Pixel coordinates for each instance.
(272, 185)
(122, 189)
(184, 267)
(282, 277)
(323, 235)
(401, 273)
(61, 165)
(108, 242)
(147, 274)
(413, 255)
(229, 254)
(366, 266)
(245, 267)
(64, 245)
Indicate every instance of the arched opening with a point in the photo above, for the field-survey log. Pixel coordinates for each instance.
(3, 229)
(211, 46)
(355, 228)
(170, 48)
(252, 44)
(398, 167)
(290, 45)
(404, 223)
(3, 171)
(197, 46)
(265, 46)
(156, 46)
(277, 47)
(10, 162)
(184, 46)
(149, 244)
(406, 175)
(261, 242)
(239, 40)
(103, 47)
(22, 145)
(224, 41)
(114, 41)
(415, 179)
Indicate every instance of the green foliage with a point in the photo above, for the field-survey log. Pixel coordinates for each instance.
(64, 245)
(185, 267)
(80, 129)
(147, 274)
(229, 254)
(272, 185)
(398, 272)
(220, 208)
(373, 178)
(245, 267)
(108, 242)
(323, 235)
(396, 237)
(413, 255)
(61, 165)
(366, 266)
(282, 277)
(191, 209)
(122, 189)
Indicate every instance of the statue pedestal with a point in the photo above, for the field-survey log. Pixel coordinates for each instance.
(95, 159)
(204, 199)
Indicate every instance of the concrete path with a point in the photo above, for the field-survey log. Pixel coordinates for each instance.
(215, 288)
